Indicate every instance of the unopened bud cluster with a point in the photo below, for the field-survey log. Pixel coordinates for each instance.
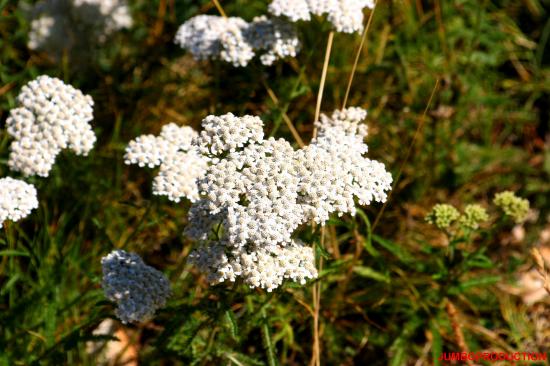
(515, 207)
(345, 15)
(236, 41)
(138, 289)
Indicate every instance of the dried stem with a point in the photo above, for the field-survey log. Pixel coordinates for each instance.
(453, 316)
(408, 154)
(287, 120)
(219, 7)
(357, 56)
(323, 79)
(542, 268)
(316, 294)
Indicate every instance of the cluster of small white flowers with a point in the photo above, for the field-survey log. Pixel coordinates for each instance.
(180, 163)
(17, 199)
(228, 132)
(338, 170)
(235, 41)
(58, 25)
(51, 116)
(294, 10)
(266, 268)
(345, 15)
(47, 33)
(138, 289)
(256, 193)
(276, 38)
(105, 16)
(209, 36)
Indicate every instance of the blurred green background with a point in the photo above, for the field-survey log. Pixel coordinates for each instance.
(487, 130)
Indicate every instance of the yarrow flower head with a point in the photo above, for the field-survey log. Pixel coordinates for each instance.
(51, 116)
(256, 192)
(17, 199)
(345, 15)
(59, 25)
(138, 289)
(442, 215)
(473, 216)
(180, 163)
(236, 41)
(515, 207)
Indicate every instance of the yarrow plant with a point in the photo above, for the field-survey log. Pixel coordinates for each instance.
(17, 199)
(59, 25)
(51, 116)
(137, 289)
(515, 207)
(345, 15)
(236, 41)
(256, 192)
(445, 216)
(180, 162)
(251, 194)
(442, 215)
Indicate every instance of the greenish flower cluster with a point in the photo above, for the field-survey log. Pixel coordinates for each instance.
(442, 215)
(473, 216)
(512, 205)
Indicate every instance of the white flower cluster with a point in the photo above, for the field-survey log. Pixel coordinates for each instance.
(105, 16)
(138, 289)
(180, 163)
(345, 15)
(256, 192)
(17, 199)
(236, 41)
(58, 25)
(51, 116)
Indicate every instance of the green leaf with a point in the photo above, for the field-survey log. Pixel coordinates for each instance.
(368, 240)
(479, 261)
(481, 281)
(437, 342)
(401, 253)
(322, 251)
(371, 273)
(13, 253)
(232, 323)
(398, 349)
(266, 340)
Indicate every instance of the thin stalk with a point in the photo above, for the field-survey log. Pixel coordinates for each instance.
(323, 80)
(268, 345)
(219, 7)
(316, 294)
(357, 56)
(271, 94)
(408, 154)
(287, 120)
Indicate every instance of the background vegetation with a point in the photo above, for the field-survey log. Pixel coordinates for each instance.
(386, 292)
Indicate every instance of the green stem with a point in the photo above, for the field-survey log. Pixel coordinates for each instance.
(268, 345)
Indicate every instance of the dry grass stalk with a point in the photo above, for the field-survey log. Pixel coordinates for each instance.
(453, 315)
(541, 268)
(219, 7)
(408, 154)
(357, 56)
(323, 80)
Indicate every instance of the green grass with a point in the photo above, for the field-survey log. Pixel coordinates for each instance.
(384, 292)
